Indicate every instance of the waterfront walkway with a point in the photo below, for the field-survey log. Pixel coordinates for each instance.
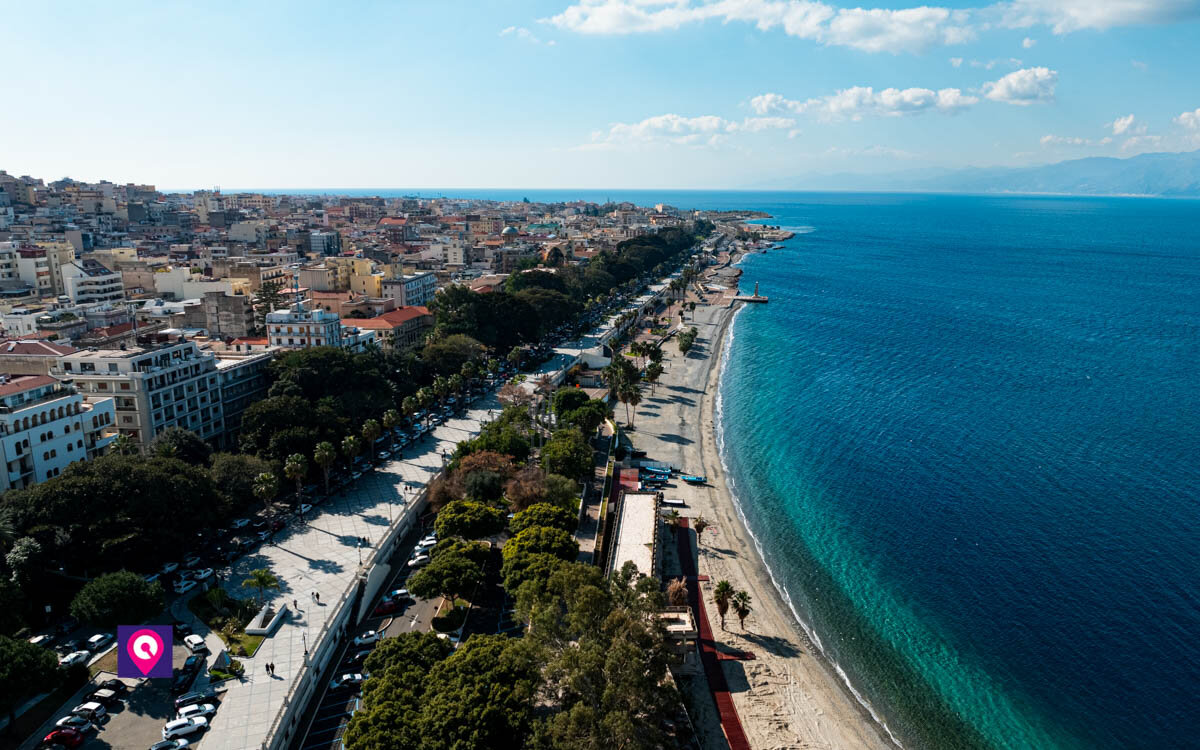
(731, 725)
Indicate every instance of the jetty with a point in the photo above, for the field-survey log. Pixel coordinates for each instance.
(756, 297)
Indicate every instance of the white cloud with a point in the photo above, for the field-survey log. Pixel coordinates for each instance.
(1124, 125)
(1065, 16)
(1189, 120)
(1141, 142)
(1061, 140)
(520, 32)
(1012, 61)
(704, 130)
(1028, 43)
(861, 101)
(871, 151)
(1023, 87)
(956, 62)
(870, 30)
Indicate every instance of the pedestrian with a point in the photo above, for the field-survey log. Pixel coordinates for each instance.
(317, 596)
(272, 669)
(268, 667)
(295, 605)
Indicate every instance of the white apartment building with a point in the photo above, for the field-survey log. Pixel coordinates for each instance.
(411, 290)
(41, 266)
(86, 282)
(298, 328)
(154, 387)
(45, 426)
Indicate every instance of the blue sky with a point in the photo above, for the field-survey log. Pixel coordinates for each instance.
(585, 93)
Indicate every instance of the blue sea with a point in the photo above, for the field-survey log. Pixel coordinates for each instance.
(965, 433)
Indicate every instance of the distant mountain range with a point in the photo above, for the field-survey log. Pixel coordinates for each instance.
(1162, 174)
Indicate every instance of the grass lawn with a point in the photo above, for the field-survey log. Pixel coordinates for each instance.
(450, 615)
(106, 663)
(203, 608)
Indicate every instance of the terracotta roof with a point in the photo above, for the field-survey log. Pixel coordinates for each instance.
(263, 340)
(392, 221)
(34, 347)
(110, 330)
(392, 318)
(19, 383)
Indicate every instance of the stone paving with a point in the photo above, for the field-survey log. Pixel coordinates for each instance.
(322, 556)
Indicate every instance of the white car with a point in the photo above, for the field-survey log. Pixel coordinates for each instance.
(196, 709)
(170, 567)
(346, 680)
(418, 560)
(427, 544)
(90, 710)
(184, 586)
(203, 574)
(75, 657)
(183, 727)
(78, 723)
(371, 636)
(195, 643)
(240, 523)
(98, 641)
(399, 595)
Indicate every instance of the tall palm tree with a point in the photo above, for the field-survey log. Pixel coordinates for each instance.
(266, 487)
(493, 365)
(371, 432)
(123, 445)
(425, 398)
(324, 455)
(390, 418)
(514, 356)
(741, 607)
(261, 579)
(295, 468)
(632, 397)
(677, 595)
(469, 371)
(700, 524)
(441, 388)
(351, 447)
(673, 521)
(455, 383)
(722, 595)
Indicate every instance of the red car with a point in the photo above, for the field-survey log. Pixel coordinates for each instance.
(64, 738)
(387, 607)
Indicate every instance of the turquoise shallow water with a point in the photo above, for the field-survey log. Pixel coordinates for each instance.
(964, 433)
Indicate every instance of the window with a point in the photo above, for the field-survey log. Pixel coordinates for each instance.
(124, 386)
(102, 386)
(112, 366)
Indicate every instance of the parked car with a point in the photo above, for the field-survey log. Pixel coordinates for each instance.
(181, 629)
(64, 738)
(45, 641)
(75, 657)
(304, 508)
(398, 595)
(202, 575)
(193, 663)
(183, 681)
(426, 544)
(191, 561)
(67, 647)
(91, 710)
(184, 727)
(175, 744)
(371, 636)
(99, 641)
(67, 625)
(197, 709)
(115, 685)
(347, 680)
(418, 561)
(199, 696)
(170, 567)
(195, 643)
(264, 535)
(239, 523)
(184, 586)
(358, 657)
(75, 722)
(383, 455)
(105, 697)
(386, 607)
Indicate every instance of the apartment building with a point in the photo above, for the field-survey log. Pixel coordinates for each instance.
(411, 290)
(299, 328)
(40, 265)
(155, 386)
(400, 329)
(87, 281)
(243, 381)
(45, 426)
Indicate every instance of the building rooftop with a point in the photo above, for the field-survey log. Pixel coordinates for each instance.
(392, 318)
(13, 384)
(636, 533)
(35, 348)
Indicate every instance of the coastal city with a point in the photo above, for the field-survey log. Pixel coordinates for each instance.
(372, 457)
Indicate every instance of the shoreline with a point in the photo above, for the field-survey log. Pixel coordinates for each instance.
(790, 695)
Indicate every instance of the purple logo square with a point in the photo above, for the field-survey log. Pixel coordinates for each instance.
(144, 651)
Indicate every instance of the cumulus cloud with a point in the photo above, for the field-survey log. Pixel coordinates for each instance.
(1125, 126)
(1028, 43)
(989, 64)
(1189, 120)
(956, 62)
(1065, 16)
(1061, 140)
(703, 130)
(867, 29)
(520, 32)
(1141, 142)
(862, 101)
(1023, 87)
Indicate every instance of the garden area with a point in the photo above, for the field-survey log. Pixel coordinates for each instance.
(227, 616)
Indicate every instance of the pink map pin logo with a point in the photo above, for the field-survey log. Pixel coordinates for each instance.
(143, 648)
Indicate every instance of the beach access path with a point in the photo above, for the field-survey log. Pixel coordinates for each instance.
(787, 696)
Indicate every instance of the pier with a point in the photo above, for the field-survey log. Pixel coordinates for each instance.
(756, 297)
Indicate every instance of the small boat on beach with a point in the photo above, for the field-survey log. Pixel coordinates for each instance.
(693, 479)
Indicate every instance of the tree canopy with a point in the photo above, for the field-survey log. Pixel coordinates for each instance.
(115, 598)
(567, 453)
(543, 514)
(176, 442)
(469, 519)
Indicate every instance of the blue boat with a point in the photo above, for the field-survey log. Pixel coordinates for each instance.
(691, 479)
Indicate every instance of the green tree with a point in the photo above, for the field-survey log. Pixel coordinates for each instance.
(115, 598)
(176, 442)
(450, 573)
(542, 539)
(371, 432)
(351, 447)
(25, 671)
(391, 703)
(123, 445)
(469, 519)
(722, 596)
(630, 396)
(543, 514)
(700, 525)
(562, 491)
(266, 487)
(448, 355)
(234, 475)
(390, 418)
(268, 299)
(23, 558)
(260, 580)
(741, 607)
(325, 455)
(568, 399)
(587, 417)
(295, 469)
(567, 453)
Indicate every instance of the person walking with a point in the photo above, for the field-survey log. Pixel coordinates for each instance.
(267, 666)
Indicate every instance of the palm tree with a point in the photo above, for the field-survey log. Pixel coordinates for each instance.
(653, 373)
(673, 521)
(261, 579)
(324, 455)
(123, 445)
(493, 365)
(632, 397)
(351, 447)
(722, 595)
(295, 468)
(514, 356)
(677, 595)
(700, 524)
(425, 398)
(370, 432)
(390, 418)
(409, 406)
(266, 487)
(441, 388)
(455, 383)
(741, 607)
(469, 371)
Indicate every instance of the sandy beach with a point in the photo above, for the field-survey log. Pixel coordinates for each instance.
(787, 697)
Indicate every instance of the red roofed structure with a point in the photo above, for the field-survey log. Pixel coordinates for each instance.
(400, 329)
